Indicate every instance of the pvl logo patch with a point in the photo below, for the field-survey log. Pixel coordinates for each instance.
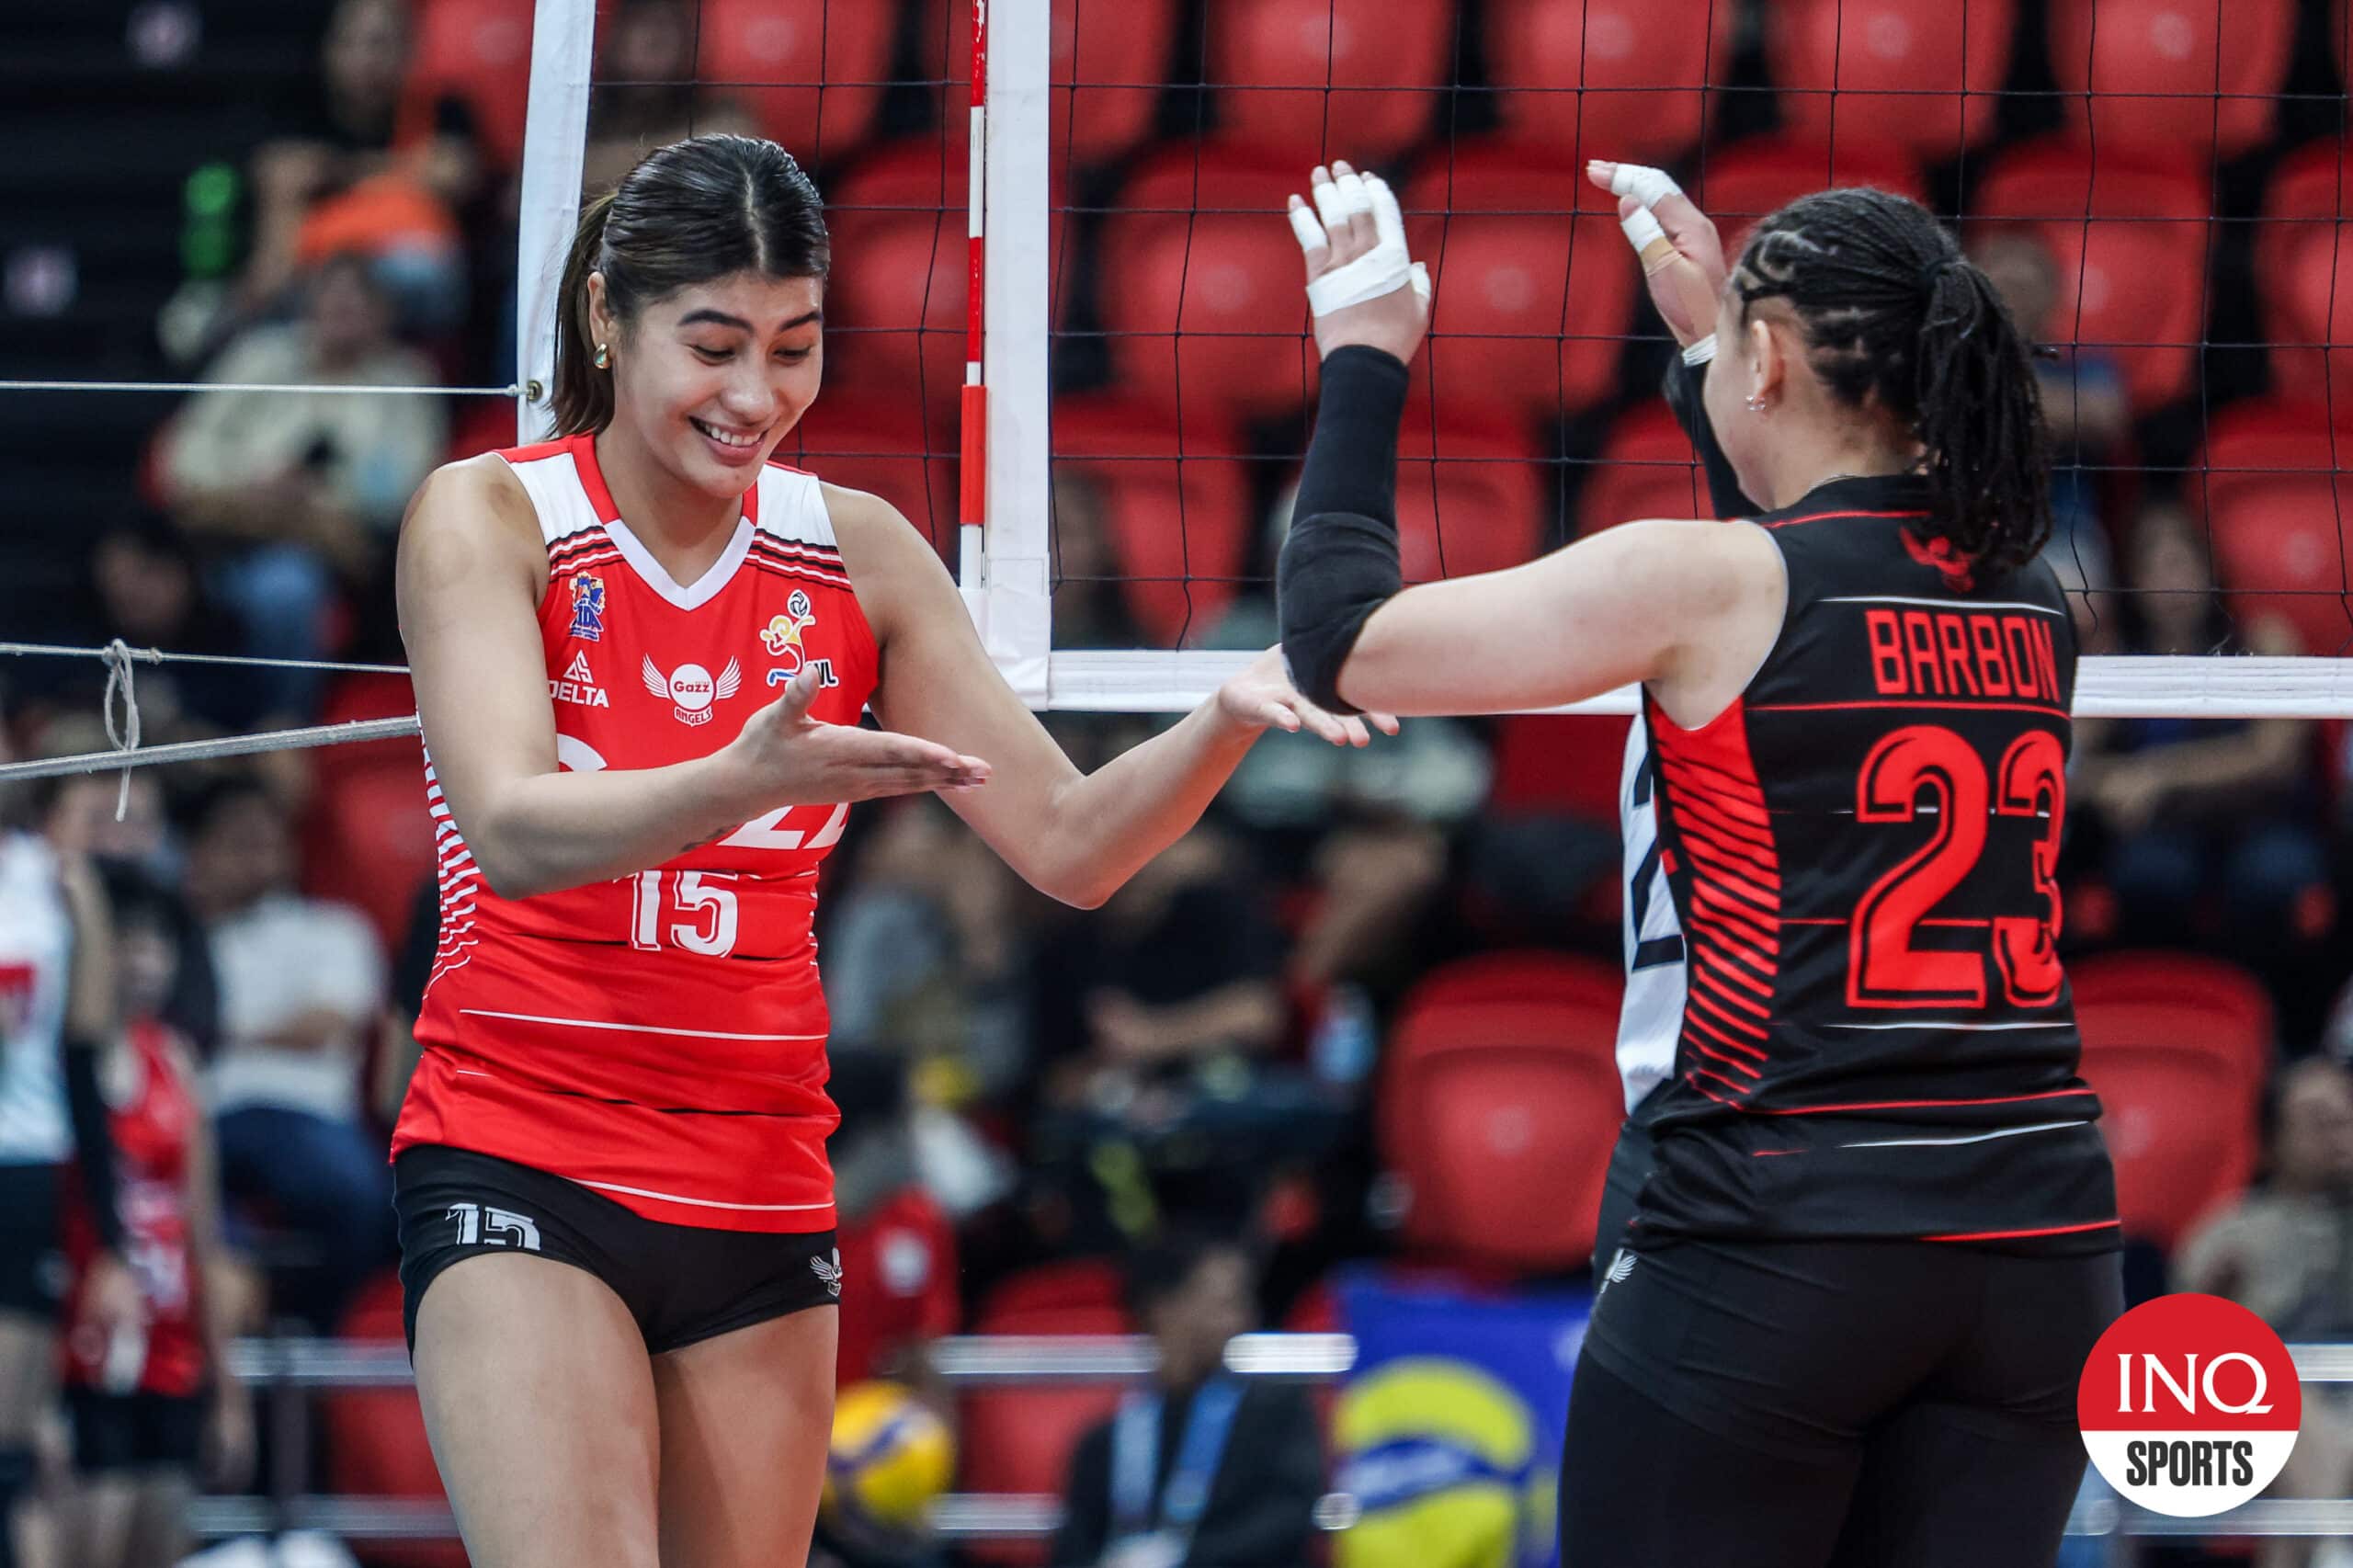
(692, 689)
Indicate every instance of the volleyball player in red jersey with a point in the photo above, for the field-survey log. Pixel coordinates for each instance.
(154, 1400)
(1877, 1237)
(640, 651)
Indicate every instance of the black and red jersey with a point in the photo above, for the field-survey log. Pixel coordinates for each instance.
(1875, 1038)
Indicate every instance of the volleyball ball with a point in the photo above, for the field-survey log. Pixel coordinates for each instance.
(891, 1456)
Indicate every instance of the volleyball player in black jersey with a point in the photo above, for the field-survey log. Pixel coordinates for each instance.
(1878, 1237)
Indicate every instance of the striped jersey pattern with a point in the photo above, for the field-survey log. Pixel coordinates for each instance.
(658, 1037)
(1875, 1037)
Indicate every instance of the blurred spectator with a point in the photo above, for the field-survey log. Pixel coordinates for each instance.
(1200, 1468)
(77, 814)
(302, 981)
(898, 1253)
(2284, 1251)
(2202, 812)
(351, 166)
(149, 1412)
(2083, 399)
(1177, 970)
(649, 56)
(296, 489)
(1089, 610)
(926, 955)
(143, 583)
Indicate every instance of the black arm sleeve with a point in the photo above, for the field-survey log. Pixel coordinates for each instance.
(1340, 562)
(1682, 389)
(92, 1139)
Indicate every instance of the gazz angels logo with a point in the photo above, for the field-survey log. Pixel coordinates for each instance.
(691, 690)
(781, 638)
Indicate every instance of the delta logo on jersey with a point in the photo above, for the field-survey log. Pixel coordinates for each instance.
(691, 690)
(2190, 1405)
(781, 638)
(578, 683)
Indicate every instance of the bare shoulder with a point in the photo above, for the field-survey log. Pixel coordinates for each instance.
(891, 562)
(467, 517)
(1695, 566)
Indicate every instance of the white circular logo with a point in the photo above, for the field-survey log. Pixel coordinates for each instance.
(2190, 1405)
(692, 689)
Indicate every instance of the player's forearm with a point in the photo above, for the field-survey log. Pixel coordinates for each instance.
(2266, 754)
(552, 831)
(1107, 824)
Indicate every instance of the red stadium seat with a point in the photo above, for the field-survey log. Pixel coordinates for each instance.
(2149, 68)
(1099, 54)
(902, 451)
(1558, 765)
(1305, 81)
(2131, 274)
(479, 51)
(1177, 534)
(1085, 1285)
(846, 46)
(2177, 1046)
(1757, 177)
(367, 839)
(1619, 79)
(1205, 298)
(1646, 470)
(2275, 495)
(1472, 497)
(1019, 1441)
(1498, 1105)
(895, 302)
(1534, 289)
(375, 1437)
(2306, 273)
(1865, 68)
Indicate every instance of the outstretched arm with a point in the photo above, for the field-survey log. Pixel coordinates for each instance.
(1076, 837)
(471, 573)
(1676, 603)
(1684, 267)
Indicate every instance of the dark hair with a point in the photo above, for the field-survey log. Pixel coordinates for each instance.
(1163, 1267)
(1894, 315)
(702, 208)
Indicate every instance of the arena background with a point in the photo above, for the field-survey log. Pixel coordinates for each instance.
(1379, 989)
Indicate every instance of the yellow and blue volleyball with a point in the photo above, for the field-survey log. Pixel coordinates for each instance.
(891, 1456)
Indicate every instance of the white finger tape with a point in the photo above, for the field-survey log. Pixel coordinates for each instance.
(1644, 184)
(1331, 203)
(1381, 270)
(1388, 221)
(1699, 353)
(1309, 230)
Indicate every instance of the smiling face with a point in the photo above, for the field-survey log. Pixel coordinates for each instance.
(709, 380)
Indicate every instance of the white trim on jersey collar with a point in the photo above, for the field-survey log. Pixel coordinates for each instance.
(657, 577)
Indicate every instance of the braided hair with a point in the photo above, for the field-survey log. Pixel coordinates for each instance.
(1895, 317)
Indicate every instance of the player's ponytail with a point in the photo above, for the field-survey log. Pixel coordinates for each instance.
(691, 212)
(1899, 323)
(583, 394)
(1981, 422)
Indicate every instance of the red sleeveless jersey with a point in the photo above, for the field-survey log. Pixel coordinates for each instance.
(151, 1136)
(660, 1036)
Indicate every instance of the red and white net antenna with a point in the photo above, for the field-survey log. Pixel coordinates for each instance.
(972, 497)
